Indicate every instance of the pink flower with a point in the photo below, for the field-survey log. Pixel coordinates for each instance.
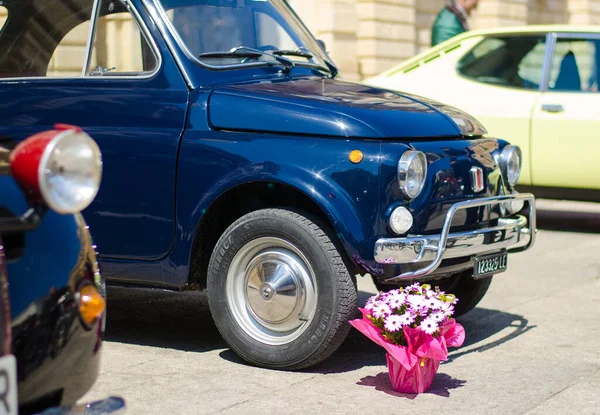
(429, 325)
(393, 323)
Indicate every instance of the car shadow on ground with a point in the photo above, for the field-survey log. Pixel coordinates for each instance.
(568, 221)
(161, 318)
(484, 328)
(182, 321)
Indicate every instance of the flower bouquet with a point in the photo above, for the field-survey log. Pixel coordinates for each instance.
(414, 325)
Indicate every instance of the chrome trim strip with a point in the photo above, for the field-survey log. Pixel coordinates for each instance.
(91, 36)
(547, 66)
(514, 236)
(155, 14)
(142, 25)
(576, 35)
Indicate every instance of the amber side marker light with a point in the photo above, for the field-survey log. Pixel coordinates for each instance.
(91, 304)
(356, 156)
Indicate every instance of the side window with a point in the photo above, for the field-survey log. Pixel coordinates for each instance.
(513, 61)
(69, 56)
(3, 16)
(36, 40)
(575, 65)
(120, 46)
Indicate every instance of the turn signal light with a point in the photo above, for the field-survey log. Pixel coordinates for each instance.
(356, 156)
(91, 304)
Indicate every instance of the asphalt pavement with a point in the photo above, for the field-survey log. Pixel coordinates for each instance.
(532, 346)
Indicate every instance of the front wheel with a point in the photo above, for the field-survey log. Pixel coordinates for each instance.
(278, 290)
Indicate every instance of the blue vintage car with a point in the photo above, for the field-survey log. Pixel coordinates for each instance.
(236, 159)
(51, 291)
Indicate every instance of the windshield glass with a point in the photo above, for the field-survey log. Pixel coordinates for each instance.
(210, 26)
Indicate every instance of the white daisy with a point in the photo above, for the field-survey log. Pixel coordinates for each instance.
(381, 310)
(438, 316)
(393, 323)
(396, 300)
(407, 319)
(433, 303)
(415, 301)
(429, 325)
(447, 308)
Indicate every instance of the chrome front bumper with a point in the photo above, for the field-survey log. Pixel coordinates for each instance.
(511, 234)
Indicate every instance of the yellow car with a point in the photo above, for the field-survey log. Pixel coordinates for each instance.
(535, 86)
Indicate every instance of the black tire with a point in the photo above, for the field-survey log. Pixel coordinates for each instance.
(241, 311)
(469, 293)
(468, 290)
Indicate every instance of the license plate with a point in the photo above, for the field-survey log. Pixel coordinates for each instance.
(490, 264)
(8, 385)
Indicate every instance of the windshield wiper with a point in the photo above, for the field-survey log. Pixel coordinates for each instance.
(247, 52)
(300, 52)
(305, 53)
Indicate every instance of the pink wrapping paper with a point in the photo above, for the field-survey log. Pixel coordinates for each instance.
(416, 380)
(413, 367)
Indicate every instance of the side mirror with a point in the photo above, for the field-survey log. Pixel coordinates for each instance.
(322, 45)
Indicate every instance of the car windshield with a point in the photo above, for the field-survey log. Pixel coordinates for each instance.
(221, 33)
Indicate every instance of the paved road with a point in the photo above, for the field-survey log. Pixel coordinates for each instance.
(532, 347)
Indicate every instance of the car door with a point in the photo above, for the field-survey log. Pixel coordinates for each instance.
(116, 80)
(565, 128)
(499, 83)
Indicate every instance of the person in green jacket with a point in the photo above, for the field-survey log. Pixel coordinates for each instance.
(452, 20)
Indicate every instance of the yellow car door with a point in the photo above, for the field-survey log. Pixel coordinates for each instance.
(565, 128)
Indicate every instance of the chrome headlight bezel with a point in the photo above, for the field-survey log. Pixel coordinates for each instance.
(71, 194)
(409, 161)
(509, 156)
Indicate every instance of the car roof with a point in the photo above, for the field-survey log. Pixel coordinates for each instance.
(534, 29)
(451, 43)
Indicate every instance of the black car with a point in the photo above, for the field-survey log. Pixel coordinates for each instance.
(51, 292)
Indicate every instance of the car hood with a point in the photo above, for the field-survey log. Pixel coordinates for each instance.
(327, 107)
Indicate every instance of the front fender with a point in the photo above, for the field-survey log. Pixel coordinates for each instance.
(348, 194)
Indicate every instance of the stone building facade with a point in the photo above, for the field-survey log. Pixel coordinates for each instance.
(366, 37)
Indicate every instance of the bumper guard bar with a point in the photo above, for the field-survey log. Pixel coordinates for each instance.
(511, 234)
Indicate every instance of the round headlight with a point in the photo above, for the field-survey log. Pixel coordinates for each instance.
(61, 168)
(412, 173)
(511, 164)
(69, 172)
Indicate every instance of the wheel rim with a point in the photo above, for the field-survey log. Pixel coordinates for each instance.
(271, 290)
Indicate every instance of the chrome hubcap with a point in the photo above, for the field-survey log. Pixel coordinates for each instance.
(271, 290)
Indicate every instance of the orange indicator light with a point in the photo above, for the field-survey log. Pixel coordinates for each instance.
(91, 304)
(356, 156)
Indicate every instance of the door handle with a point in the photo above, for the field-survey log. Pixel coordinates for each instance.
(553, 107)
